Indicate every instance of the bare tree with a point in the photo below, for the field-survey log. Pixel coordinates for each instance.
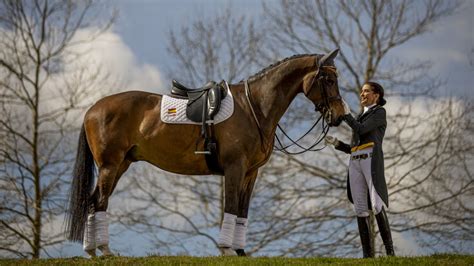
(41, 93)
(226, 47)
(367, 32)
(299, 206)
(431, 178)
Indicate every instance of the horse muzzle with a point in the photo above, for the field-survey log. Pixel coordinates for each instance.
(328, 116)
(337, 122)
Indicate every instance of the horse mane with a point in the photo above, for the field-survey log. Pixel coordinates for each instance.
(264, 71)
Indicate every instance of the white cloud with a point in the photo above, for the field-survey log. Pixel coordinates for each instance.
(448, 46)
(450, 38)
(95, 66)
(110, 52)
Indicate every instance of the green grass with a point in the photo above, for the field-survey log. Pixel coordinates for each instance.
(441, 259)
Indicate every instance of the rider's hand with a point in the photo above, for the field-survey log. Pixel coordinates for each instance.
(347, 109)
(330, 140)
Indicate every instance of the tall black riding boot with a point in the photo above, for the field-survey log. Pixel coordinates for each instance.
(364, 232)
(385, 233)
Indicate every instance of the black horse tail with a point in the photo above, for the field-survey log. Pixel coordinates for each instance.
(80, 193)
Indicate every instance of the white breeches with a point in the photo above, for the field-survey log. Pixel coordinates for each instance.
(362, 186)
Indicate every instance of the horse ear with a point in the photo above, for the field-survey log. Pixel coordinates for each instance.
(308, 81)
(328, 58)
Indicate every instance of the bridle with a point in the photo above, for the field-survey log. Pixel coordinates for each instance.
(324, 106)
(321, 107)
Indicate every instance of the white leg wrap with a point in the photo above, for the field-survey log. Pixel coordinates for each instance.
(227, 230)
(240, 233)
(89, 233)
(101, 229)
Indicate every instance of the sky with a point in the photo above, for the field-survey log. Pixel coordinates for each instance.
(144, 25)
(135, 51)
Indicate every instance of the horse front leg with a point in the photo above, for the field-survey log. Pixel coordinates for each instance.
(234, 175)
(240, 232)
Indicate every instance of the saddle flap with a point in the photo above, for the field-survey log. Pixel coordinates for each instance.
(213, 101)
(204, 104)
(195, 105)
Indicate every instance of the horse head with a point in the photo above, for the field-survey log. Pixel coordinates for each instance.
(321, 87)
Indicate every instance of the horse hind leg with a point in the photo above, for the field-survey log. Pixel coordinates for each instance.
(96, 233)
(107, 180)
(89, 245)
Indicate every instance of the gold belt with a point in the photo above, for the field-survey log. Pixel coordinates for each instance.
(363, 146)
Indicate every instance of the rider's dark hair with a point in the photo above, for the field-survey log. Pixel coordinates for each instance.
(377, 88)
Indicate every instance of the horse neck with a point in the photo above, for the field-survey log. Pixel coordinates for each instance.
(274, 92)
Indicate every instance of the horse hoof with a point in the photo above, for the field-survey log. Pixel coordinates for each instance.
(105, 250)
(241, 253)
(91, 253)
(228, 252)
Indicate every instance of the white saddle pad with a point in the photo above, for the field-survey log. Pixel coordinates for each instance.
(173, 110)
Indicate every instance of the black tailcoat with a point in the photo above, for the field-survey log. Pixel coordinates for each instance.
(369, 127)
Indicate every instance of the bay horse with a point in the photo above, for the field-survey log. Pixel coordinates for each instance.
(124, 128)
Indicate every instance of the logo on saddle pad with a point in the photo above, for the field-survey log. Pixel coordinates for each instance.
(173, 110)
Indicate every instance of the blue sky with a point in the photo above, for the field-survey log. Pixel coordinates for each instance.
(144, 25)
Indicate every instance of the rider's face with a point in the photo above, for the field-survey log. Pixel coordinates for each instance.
(367, 96)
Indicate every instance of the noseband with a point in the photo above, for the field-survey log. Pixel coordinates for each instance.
(324, 106)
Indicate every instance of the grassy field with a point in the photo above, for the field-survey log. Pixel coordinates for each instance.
(442, 259)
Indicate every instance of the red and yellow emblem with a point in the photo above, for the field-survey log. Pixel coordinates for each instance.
(171, 111)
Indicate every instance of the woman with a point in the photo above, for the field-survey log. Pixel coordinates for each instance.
(366, 185)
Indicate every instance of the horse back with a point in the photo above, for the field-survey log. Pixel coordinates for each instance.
(126, 109)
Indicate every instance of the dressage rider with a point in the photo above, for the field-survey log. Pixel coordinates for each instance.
(366, 184)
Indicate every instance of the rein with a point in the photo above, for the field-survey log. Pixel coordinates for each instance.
(247, 96)
(325, 128)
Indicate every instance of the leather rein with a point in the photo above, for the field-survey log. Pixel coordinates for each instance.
(321, 107)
